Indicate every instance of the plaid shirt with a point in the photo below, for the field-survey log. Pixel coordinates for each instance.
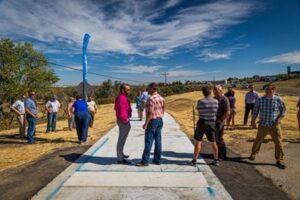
(269, 110)
(155, 105)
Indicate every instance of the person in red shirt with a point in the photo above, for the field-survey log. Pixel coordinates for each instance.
(123, 113)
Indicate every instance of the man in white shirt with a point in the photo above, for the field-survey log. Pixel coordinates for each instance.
(144, 98)
(52, 108)
(92, 110)
(19, 108)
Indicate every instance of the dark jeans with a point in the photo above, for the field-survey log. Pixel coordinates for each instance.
(220, 140)
(51, 119)
(153, 132)
(249, 107)
(31, 129)
(82, 123)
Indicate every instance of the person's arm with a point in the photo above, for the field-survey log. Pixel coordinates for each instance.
(95, 105)
(149, 114)
(256, 110)
(28, 112)
(227, 110)
(282, 110)
(13, 107)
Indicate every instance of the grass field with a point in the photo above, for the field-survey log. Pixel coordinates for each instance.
(15, 152)
(181, 108)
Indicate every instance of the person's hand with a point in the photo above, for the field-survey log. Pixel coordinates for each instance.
(145, 126)
(278, 121)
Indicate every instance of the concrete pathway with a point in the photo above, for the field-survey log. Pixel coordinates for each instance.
(97, 176)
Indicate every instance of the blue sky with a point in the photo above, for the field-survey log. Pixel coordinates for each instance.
(140, 40)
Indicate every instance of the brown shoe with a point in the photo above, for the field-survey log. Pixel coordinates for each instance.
(141, 164)
(252, 157)
(280, 165)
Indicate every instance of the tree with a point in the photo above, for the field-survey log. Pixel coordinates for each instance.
(23, 68)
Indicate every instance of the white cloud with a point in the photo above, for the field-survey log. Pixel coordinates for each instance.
(136, 69)
(128, 28)
(286, 58)
(208, 54)
(188, 73)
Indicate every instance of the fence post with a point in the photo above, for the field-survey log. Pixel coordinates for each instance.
(194, 118)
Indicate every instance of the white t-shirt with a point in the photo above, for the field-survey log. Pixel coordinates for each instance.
(92, 106)
(20, 106)
(53, 106)
(145, 96)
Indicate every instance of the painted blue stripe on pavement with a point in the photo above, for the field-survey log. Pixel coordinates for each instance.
(211, 191)
(55, 190)
(93, 153)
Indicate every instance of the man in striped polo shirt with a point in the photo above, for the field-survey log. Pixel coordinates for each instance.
(206, 124)
(155, 108)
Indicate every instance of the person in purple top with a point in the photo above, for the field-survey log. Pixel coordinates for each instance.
(80, 109)
(250, 100)
(232, 100)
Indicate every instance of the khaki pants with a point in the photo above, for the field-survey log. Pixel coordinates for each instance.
(22, 126)
(275, 132)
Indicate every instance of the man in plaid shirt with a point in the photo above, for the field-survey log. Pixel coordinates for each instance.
(271, 110)
(155, 108)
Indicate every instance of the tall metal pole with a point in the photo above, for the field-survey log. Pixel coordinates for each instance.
(86, 39)
(165, 74)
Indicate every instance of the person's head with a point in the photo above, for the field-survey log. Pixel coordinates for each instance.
(270, 89)
(206, 90)
(71, 99)
(54, 97)
(229, 89)
(90, 98)
(125, 88)
(251, 88)
(31, 94)
(22, 97)
(217, 90)
(79, 97)
(139, 93)
(152, 88)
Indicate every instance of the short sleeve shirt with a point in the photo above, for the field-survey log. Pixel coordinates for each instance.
(223, 106)
(155, 105)
(20, 106)
(31, 105)
(92, 106)
(53, 106)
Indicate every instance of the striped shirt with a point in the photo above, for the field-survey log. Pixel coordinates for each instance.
(269, 110)
(208, 108)
(156, 106)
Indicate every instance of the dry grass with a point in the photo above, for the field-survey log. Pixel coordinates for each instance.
(15, 152)
(181, 108)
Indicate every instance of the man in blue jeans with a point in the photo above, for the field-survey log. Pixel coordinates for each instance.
(31, 116)
(155, 108)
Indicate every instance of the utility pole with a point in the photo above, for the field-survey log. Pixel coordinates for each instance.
(165, 74)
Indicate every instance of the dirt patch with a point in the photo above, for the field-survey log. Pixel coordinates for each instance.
(25, 181)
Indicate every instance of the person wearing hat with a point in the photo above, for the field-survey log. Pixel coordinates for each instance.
(19, 108)
(52, 108)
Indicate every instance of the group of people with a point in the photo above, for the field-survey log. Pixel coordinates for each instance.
(215, 111)
(80, 115)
